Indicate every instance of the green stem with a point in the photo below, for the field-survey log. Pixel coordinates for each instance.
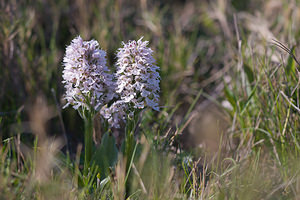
(88, 141)
(129, 146)
(129, 139)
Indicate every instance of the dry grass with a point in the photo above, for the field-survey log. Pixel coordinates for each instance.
(230, 120)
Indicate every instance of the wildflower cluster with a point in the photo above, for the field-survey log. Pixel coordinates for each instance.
(137, 83)
(134, 86)
(137, 76)
(115, 114)
(87, 79)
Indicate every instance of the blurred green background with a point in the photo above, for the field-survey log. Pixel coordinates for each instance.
(226, 91)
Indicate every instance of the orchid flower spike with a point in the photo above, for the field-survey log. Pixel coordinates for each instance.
(86, 78)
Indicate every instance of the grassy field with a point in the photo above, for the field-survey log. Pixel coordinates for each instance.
(230, 102)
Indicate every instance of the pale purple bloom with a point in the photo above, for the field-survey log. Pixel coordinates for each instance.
(86, 77)
(137, 75)
(137, 82)
(115, 114)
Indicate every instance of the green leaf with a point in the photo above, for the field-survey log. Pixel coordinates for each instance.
(291, 65)
(106, 155)
(230, 97)
(249, 73)
(248, 100)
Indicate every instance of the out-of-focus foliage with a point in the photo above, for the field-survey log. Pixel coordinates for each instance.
(229, 123)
